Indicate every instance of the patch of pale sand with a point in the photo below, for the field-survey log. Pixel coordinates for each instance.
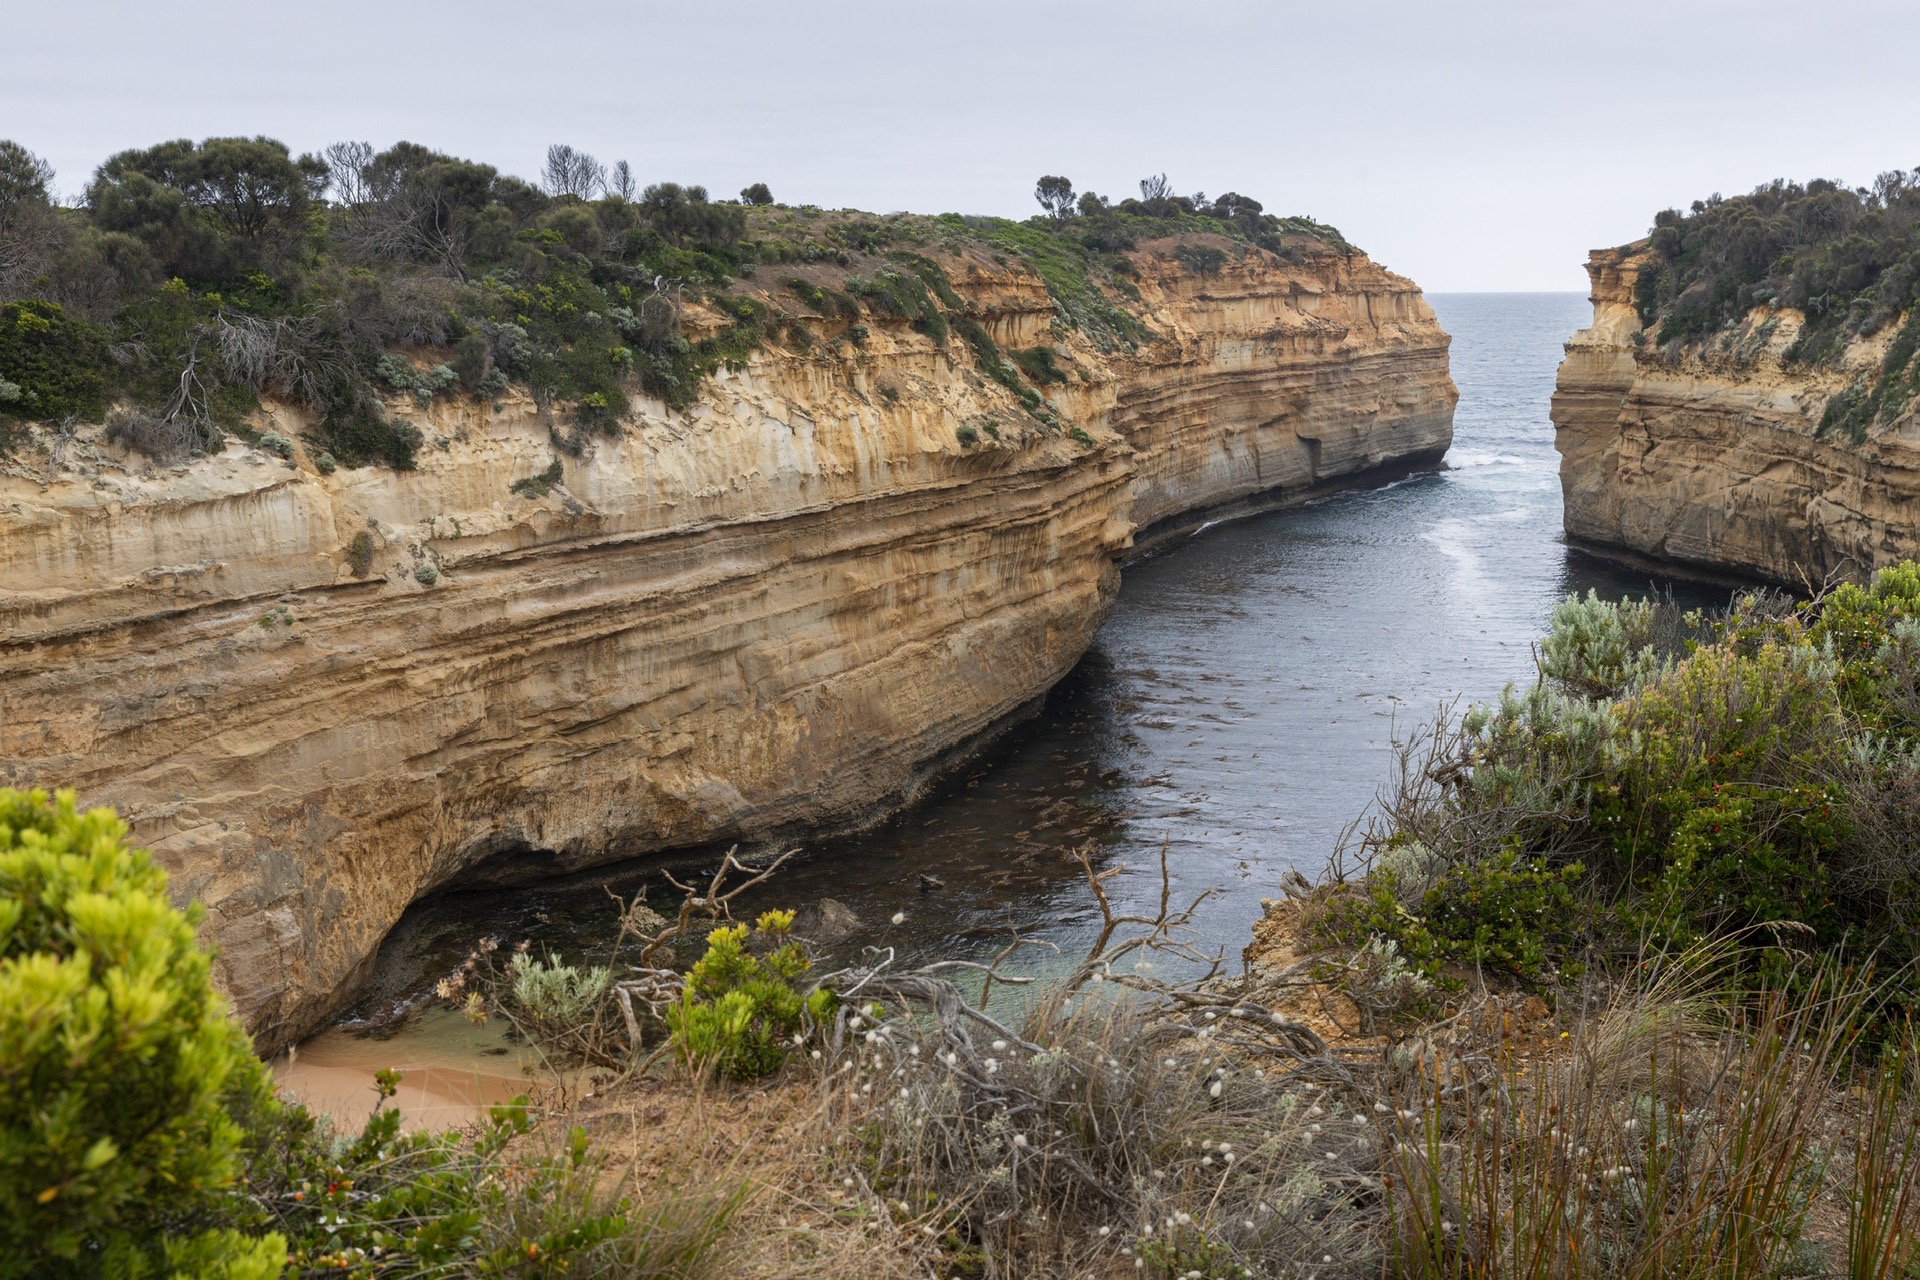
(448, 1076)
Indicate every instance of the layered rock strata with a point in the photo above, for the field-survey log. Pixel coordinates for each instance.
(1713, 455)
(319, 697)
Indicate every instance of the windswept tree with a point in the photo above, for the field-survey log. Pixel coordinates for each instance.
(208, 209)
(25, 182)
(620, 182)
(347, 165)
(1055, 195)
(685, 216)
(572, 173)
(418, 205)
(1156, 188)
(758, 193)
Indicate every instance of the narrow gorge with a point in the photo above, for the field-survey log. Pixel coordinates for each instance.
(320, 695)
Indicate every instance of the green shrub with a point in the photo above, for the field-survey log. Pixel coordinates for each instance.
(1039, 365)
(498, 1202)
(120, 1070)
(739, 1011)
(1849, 258)
(1201, 259)
(1596, 648)
(52, 365)
(539, 486)
(1661, 788)
(360, 553)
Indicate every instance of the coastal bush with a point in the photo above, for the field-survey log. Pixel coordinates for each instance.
(740, 1011)
(1039, 365)
(500, 1199)
(539, 486)
(1201, 259)
(1669, 781)
(123, 1077)
(52, 365)
(1849, 258)
(360, 553)
(199, 277)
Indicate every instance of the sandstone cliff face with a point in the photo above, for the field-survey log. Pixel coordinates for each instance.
(320, 697)
(1715, 458)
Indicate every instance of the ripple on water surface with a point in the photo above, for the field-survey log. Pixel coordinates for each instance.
(1236, 708)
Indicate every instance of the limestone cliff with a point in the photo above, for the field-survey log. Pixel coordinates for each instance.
(319, 697)
(1713, 454)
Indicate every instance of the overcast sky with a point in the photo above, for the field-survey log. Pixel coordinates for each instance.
(1468, 145)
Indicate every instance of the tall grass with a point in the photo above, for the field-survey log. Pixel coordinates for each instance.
(1682, 1131)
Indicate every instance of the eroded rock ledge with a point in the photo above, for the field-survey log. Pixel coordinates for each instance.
(1713, 456)
(320, 697)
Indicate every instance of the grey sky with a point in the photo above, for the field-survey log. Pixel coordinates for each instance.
(1469, 145)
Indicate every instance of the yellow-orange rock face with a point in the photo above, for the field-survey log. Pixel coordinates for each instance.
(1715, 458)
(783, 609)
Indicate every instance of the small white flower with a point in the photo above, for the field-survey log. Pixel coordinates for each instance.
(1020, 1141)
(1211, 1015)
(1229, 1157)
(1106, 1231)
(1213, 1090)
(899, 917)
(816, 1055)
(991, 1065)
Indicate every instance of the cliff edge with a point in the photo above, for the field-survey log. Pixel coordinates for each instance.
(320, 694)
(1744, 400)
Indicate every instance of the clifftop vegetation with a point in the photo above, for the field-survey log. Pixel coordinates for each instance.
(1848, 258)
(189, 279)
